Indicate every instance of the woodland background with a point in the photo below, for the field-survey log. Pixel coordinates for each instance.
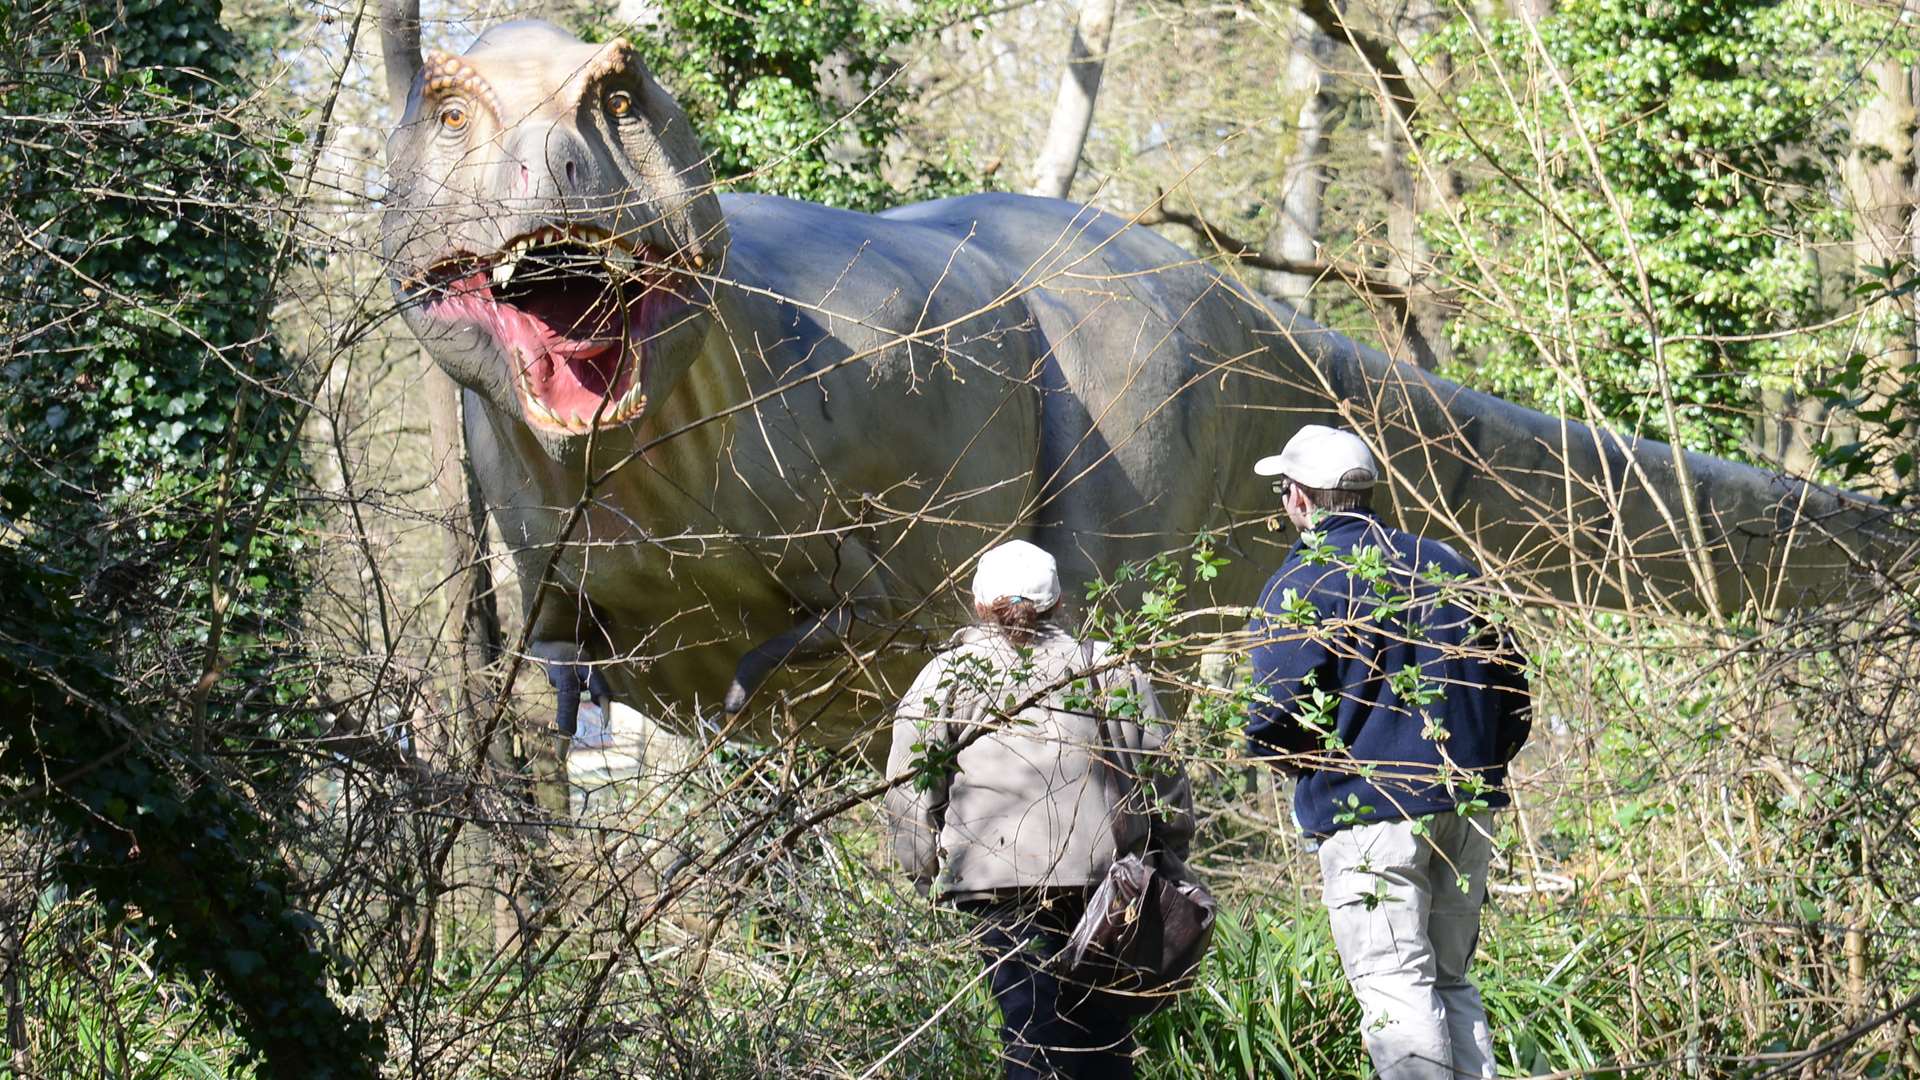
(279, 800)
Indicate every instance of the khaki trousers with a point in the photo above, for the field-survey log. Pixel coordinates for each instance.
(1406, 930)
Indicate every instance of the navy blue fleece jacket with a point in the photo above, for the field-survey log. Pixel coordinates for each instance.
(1366, 659)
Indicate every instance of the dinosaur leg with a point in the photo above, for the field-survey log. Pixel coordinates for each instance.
(568, 676)
(569, 681)
(812, 638)
(564, 641)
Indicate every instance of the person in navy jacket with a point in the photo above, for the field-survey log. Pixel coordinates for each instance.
(1397, 707)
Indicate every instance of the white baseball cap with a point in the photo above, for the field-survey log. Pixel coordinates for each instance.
(1017, 570)
(1322, 457)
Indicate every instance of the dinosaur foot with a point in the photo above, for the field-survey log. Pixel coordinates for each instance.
(569, 677)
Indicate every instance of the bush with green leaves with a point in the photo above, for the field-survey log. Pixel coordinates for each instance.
(102, 1011)
(1642, 188)
(805, 98)
(150, 574)
(1881, 391)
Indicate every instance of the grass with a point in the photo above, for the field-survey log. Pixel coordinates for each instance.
(841, 969)
(1272, 1001)
(97, 1008)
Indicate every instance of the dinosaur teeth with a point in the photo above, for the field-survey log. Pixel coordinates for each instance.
(621, 259)
(628, 401)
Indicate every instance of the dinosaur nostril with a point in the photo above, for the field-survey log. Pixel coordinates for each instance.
(570, 180)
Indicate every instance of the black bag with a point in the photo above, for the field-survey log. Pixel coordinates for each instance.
(1148, 923)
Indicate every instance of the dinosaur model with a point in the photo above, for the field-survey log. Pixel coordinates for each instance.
(745, 448)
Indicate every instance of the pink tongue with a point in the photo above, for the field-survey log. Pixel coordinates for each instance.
(576, 352)
(595, 372)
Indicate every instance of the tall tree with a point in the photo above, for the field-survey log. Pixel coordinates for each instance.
(1418, 184)
(1404, 67)
(150, 576)
(1879, 177)
(1303, 186)
(803, 98)
(1066, 139)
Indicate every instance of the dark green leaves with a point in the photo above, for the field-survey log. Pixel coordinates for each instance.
(804, 98)
(1694, 145)
(150, 425)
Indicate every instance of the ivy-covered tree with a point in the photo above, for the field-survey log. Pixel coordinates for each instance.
(150, 575)
(1643, 171)
(804, 98)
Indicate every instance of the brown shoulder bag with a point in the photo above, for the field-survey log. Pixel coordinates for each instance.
(1148, 923)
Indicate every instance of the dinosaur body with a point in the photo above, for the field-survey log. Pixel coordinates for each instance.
(926, 389)
(788, 429)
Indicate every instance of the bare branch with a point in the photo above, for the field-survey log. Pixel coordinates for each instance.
(1244, 251)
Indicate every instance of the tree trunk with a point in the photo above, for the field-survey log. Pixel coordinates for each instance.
(1531, 11)
(524, 772)
(1073, 108)
(1912, 302)
(16, 908)
(462, 655)
(1405, 337)
(1880, 174)
(1790, 424)
(1413, 191)
(1304, 184)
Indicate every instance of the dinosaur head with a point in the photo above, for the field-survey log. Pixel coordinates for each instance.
(550, 228)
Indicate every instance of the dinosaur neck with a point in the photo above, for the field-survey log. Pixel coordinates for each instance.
(668, 469)
(694, 416)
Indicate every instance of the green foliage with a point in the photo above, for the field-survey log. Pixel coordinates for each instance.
(1569, 986)
(188, 863)
(1742, 816)
(804, 98)
(149, 556)
(1881, 390)
(101, 1009)
(1138, 609)
(149, 413)
(1712, 147)
(820, 964)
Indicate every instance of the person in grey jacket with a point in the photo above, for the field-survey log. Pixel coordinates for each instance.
(1004, 806)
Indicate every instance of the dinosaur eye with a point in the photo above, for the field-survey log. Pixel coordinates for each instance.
(453, 117)
(619, 103)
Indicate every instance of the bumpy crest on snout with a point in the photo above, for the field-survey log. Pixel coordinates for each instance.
(550, 225)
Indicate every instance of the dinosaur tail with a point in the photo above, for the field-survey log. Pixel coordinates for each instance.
(1594, 517)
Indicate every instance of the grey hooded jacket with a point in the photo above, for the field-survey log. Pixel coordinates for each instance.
(988, 757)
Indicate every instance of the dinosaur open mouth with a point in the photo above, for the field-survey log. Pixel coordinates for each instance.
(574, 310)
